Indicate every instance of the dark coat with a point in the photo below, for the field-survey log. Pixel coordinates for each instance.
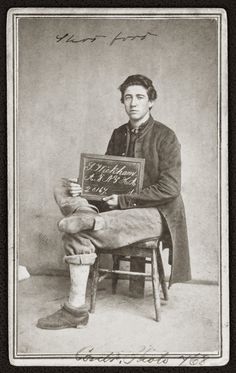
(159, 146)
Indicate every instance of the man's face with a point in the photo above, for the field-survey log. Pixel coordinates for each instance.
(136, 101)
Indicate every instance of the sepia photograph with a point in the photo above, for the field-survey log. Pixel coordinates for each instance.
(117, 186)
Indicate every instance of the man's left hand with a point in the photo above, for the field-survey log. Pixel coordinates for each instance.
(112, 201)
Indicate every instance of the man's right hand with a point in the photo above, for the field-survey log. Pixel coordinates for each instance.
(73, 187)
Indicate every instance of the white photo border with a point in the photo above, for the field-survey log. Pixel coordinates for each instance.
(185, 359)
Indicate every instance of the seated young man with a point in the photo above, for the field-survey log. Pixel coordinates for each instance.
(125, 218)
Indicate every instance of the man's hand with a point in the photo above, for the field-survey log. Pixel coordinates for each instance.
(73, 187)
(112, 201)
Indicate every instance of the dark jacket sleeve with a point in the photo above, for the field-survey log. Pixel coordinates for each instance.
(168, 184)
(110, 148)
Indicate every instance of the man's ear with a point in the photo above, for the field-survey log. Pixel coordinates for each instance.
(150, 104)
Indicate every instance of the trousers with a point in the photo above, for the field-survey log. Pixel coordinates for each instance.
(120, 228)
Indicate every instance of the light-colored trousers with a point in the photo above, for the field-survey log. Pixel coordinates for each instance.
(121, 227)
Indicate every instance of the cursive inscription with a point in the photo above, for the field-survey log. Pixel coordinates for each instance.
(99, 177)
(120, 37)
(70, 38)
(131, 37)
(145, 355)
(102, 176)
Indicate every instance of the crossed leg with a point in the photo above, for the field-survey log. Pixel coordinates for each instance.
(111, 229)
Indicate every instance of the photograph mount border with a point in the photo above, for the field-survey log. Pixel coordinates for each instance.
(13, 231)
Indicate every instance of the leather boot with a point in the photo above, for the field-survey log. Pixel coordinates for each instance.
(64, 318)
(81, 220)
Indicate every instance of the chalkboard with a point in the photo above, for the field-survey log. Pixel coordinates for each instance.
(103, 175)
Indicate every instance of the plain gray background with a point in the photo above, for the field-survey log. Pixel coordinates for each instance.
(69, 102)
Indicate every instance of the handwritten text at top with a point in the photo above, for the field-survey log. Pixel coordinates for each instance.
(71, 38)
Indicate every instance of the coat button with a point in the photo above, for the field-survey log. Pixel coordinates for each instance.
(123, 154)
(135, 204)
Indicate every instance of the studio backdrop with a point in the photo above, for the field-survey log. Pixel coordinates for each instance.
(68, 102)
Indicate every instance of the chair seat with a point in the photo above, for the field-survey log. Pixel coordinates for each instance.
(140, 248)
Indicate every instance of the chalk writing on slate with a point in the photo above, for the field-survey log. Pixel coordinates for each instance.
(101, 176)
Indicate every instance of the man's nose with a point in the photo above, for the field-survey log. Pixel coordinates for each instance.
(133, 101)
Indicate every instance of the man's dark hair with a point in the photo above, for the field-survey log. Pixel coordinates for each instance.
(138, 80)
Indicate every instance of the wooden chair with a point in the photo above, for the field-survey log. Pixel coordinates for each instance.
(149, 252)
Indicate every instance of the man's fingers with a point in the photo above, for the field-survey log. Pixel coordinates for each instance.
(75, 190)
(105, 199)
(75, 187)
(75, 194)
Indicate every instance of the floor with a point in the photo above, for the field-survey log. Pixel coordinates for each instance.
(120, 324)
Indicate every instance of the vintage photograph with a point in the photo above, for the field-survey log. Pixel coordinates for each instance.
(117, 187)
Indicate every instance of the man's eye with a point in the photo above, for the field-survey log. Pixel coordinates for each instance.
(140, 97)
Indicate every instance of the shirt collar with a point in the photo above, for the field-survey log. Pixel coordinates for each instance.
(140, 128)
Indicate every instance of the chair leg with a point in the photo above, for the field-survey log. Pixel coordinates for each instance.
(94, 285)
(115, 276)
(155, 286)
(161, 274)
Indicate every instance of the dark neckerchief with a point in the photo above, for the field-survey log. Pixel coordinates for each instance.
(140, 128)
(134, 134)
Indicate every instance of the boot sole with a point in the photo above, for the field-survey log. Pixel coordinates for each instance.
(63, 327)
(76, 326)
